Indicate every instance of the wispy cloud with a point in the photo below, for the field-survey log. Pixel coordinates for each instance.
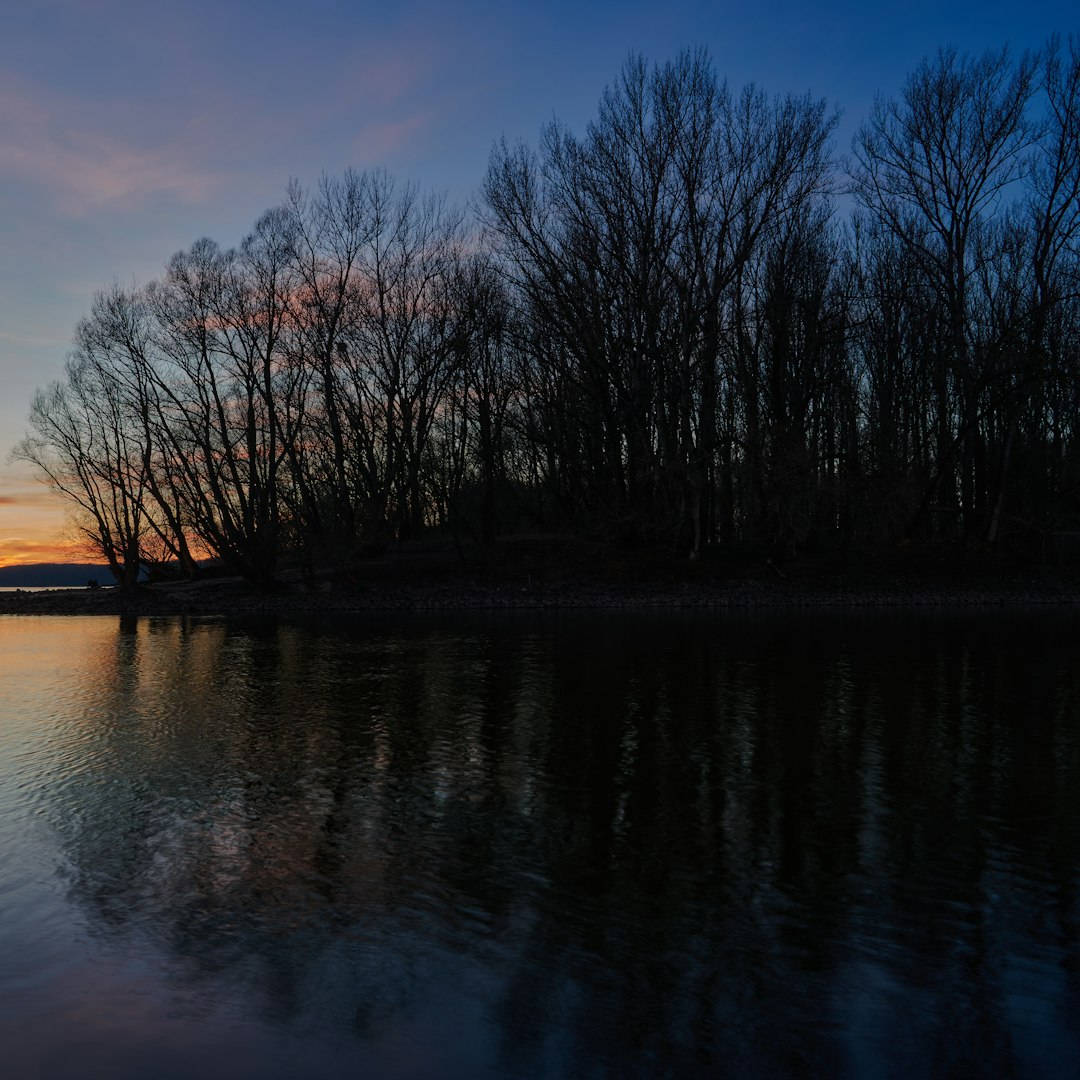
(86, 156)
(35, 341)
(371, 146)
(33, 500)
(21, 551)
(379, 81)
(20, 487)
(33, 521)
(50, 140)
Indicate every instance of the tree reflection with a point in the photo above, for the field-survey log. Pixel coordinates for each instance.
(640, 847)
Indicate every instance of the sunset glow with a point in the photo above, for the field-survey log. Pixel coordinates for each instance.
(33, 522)
(127, 131)
(539, 540)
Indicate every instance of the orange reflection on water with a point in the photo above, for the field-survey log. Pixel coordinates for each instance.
(28, 659)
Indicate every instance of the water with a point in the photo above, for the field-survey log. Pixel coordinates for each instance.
(540, 847)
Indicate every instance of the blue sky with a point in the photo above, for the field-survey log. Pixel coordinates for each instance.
(129, 129)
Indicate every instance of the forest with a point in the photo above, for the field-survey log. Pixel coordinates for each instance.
(695, 326)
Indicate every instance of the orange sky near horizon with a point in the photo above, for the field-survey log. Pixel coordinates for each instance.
(33, 522)
(127, 131)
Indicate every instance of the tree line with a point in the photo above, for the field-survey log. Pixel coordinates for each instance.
(691, 326)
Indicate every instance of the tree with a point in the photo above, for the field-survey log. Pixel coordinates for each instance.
(1046, 235)
(86, 447)
(625, 243)
(934, 167)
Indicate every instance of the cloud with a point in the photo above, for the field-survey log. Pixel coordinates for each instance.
(87, 155)
(34, 341)
(388, 79)
(19, 551)
(41, 498)
(33, 522)
(20, 487)
(372, 145)
(49, 140)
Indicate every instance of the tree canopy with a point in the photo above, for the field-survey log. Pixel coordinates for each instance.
(687, 326)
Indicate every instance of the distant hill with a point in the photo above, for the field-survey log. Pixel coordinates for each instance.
(55, 574)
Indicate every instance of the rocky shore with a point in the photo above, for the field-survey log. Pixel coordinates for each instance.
(553, 573)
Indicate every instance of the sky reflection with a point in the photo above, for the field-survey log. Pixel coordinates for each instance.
(542, 847)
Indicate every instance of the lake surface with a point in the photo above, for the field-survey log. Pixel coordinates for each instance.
(574, 846)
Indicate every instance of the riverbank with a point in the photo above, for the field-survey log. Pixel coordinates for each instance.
(562, 573)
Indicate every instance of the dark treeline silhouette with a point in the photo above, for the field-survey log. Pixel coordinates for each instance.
(689, 327)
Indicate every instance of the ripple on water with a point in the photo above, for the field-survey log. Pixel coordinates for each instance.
(537, 848)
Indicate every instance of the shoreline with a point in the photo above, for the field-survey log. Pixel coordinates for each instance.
(558, 573)
(228, 600)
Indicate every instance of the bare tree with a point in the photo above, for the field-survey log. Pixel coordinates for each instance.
(625, 243)
(328, 233)
(1047, 234)
(935, 166)
(84, 444)
(656, 331)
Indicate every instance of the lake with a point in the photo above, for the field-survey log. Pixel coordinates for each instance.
(591, 845)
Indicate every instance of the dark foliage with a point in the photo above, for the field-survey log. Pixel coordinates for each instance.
(660, 333)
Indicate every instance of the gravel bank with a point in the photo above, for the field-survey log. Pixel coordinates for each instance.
(560, 573)
(229, 598)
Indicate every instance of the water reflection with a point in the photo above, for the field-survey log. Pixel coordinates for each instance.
(573, 846)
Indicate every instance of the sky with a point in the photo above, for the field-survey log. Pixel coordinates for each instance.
(130, 128)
